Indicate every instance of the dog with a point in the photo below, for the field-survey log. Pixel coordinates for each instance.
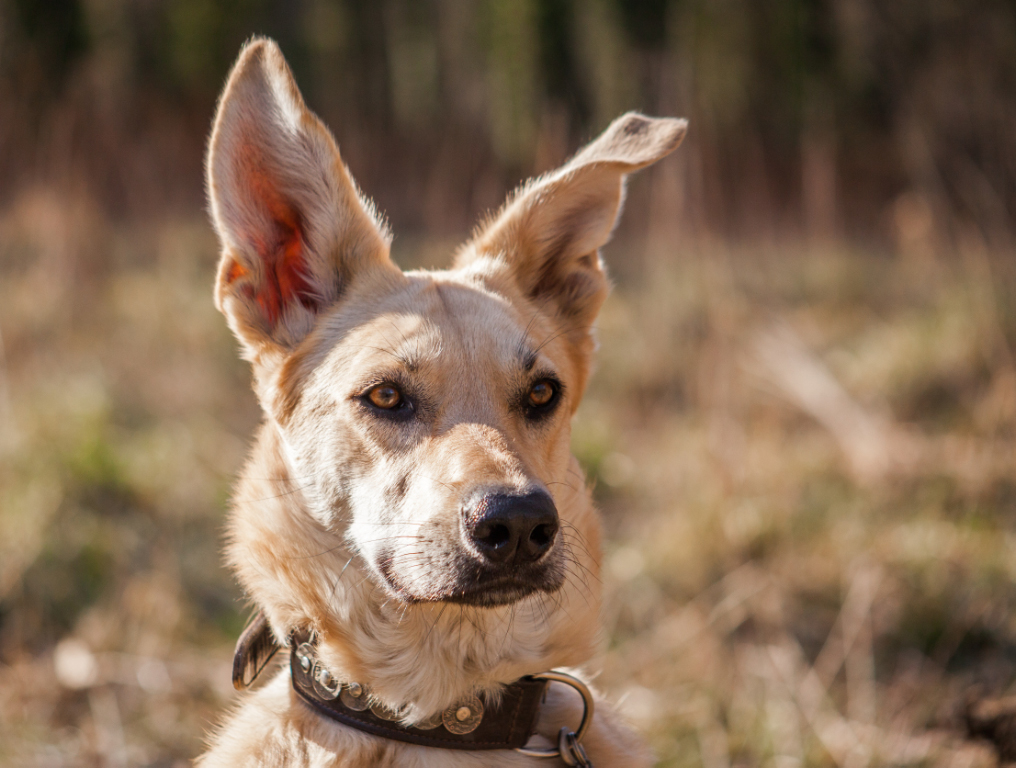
(411, 523)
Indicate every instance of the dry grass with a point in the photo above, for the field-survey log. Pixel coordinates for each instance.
(805, 458)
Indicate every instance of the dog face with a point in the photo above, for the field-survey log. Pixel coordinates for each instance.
(447, 429)
(422, 418)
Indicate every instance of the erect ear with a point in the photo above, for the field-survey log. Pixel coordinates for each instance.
(293, 227)
(549, 232)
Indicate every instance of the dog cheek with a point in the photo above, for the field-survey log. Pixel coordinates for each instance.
(427, 564)
(395, 493)
(431, 574)
(373, 497)
(325, 464)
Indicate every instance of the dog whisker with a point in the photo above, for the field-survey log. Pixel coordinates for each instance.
(566, 485)
(569, 549)
(508, 631)
(283, 494)
(336, 548)
(576, 536)
(565, 332)
(571, 561)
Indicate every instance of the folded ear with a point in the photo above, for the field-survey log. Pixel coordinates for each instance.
(549, 232)
(293, 227)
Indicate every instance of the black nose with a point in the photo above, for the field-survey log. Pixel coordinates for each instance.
(513, 529)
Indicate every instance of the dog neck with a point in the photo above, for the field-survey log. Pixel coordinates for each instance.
(420, 658)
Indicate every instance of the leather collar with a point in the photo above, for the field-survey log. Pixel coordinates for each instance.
(506, 722)
(472, 723)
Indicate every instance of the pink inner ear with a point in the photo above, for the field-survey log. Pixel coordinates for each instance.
(279, 242)
(285, 261)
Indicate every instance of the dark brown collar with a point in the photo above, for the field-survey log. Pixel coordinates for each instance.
(472, 723)
(507, 722)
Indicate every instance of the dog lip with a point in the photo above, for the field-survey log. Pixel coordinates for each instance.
(488, 590)
(501, 592)
(500, 588)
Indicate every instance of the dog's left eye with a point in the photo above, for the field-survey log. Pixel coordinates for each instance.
(541, 393)
(386, 397)
(541, 398)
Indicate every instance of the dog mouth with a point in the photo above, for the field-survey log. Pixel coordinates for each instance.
(475, 587)
(502, 591)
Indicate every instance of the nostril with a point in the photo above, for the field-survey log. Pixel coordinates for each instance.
(543, 535)
(493, 535)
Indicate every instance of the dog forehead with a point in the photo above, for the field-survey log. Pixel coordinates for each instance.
(480, 318)
(439, 316)
(432, 318)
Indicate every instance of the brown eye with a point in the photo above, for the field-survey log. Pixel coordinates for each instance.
(541, 393)
(385, 396)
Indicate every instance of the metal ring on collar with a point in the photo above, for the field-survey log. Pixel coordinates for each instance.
(587, 712)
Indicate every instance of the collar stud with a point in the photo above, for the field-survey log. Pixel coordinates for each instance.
(464, 716)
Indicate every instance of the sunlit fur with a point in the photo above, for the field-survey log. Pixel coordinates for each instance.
(347, 522)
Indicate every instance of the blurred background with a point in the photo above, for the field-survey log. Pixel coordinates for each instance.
(802, 432)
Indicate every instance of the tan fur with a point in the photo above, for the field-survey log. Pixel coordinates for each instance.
(346, 523)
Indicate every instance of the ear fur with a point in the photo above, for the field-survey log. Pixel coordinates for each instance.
(255, 648)
(549, 232)
(293, 227)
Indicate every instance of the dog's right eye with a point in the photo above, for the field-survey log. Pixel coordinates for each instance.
(388, 401)
(385, 397)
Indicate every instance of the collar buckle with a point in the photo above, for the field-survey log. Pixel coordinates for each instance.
(569, 747)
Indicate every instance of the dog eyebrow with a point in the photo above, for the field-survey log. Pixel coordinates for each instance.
(409, 361)
(401, 352)
(527, 356)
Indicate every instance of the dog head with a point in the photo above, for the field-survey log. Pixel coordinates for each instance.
(420, 422)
